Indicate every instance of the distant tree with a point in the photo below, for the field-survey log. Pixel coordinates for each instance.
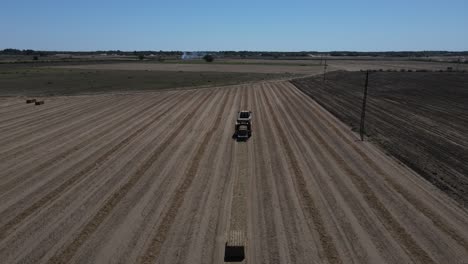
(208, 58)
(11, 51)
(141, 57)
(35, 58)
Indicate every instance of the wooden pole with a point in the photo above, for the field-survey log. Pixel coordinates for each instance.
(324, 69)
(363, 111)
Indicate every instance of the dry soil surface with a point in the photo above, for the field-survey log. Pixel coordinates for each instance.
(418, 117)
(201, 67)
(357, 65)
(301, 67)
(150, 178)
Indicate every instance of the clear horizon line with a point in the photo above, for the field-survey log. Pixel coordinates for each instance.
(287, 51)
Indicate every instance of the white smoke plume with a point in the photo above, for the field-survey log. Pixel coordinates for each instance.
(192, 55)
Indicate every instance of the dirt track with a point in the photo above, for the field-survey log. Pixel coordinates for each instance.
(149, 178)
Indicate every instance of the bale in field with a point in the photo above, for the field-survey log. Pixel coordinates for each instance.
(234, 250)
(29, 101)
(39, 102)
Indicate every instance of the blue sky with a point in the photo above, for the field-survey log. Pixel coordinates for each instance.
(361, 25)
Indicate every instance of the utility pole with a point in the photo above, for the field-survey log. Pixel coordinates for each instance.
(363, 112)
(324, 69)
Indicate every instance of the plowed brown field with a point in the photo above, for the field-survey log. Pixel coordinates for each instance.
(418, 117)
(156, 178)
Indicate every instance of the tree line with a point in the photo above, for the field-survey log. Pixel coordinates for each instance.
(242, 54)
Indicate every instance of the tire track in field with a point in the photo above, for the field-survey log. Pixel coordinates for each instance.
(155, 244)
(77, 212)
(297, 144)
(218, 216)
(53, 195)
(238, 219)
(238, 172)
(315, 172)
(208, 245)
(358, 211)
(167, 184)
(10, 185)
(329, 201)
(415, 252)
(266, 197)
(65, 255)
(419, 205)
(331, 253)
(287, 196)
(203, 189)
(164, 182)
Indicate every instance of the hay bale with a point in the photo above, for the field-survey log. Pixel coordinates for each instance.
(29, 101)
(39, 102)
(234, 250)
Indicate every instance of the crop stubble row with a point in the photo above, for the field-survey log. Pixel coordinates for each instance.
(155, 187)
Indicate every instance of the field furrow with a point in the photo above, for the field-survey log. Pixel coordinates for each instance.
(157, 177)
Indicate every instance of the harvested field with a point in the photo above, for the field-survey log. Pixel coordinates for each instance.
(394, 64)
(420, 118)
(304, 67)
(154, 177)
(40, 81)
(356, 64)
(203, 67)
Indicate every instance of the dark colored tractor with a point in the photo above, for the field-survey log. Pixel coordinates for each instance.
(243, 125)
